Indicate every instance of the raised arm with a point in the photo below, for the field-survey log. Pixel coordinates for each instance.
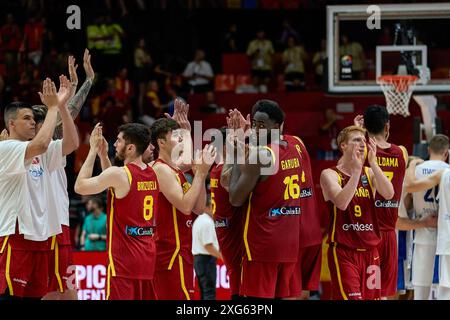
(111, 177)
(173, 191)
(70, 141)
(331, 185)
(244, 177)
(40, 142)
(412, 184)
(77, 100)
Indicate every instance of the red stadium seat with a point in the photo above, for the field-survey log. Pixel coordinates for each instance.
(235, 63)
(224, 82)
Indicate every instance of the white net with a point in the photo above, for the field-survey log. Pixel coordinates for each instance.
(397, 91)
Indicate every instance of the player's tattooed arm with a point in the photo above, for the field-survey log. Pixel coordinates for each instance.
(77, 101)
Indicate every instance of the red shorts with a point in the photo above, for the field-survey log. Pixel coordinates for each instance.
(59, 260)
(266, 279)
(119, 288)
(307, 270)
(23, 273)
(388, 263)
(355, 274)
(234, 275)
(173, 284)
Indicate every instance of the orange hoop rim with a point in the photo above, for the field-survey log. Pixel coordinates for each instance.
(401, 83)
(396, 78)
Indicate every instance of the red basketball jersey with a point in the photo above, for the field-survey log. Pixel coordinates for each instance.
(173, 228)
(356, 227)
(310, 233)
(271, 230)
(130, 242)
(393, 162)
(228, 220)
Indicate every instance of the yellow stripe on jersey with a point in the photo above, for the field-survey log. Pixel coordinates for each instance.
(183, 285)
(52, 247)
(335, 210)
(130, 178)
(111, 215)
(58, 277)
(8, 278)
(341, 287)
(366, 171)
(177, 237)
(247, 220)
(299, 140)
(5, 241)
(405, 154)
(108, 282)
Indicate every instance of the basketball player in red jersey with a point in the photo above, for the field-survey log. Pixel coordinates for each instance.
(310, 246)
(271, 229)
(392, 159)
(178, 199)
(132, 201)
(354, 235)
(229, 226)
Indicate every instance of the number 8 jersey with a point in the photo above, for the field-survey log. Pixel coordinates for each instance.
(130, 243)
(425, 201)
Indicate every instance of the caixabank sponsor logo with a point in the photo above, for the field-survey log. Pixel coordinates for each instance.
(139, 231)
(306, 193)
(386, 204)
(284, 211)
(221, 223)
(357, 227)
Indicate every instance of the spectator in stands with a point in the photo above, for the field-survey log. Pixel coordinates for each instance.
(112, 115)
(124, 88)
(260, 51)
(199, 73)
(293, 59)
(232, 41)
(112, 45)
(211, 106)
(154, 108)
(287, 32)
(34, 31)
(319, 60)
(10, 44)
(205, 249)
(328, 132)
(93, 236)
(142, 71)
(356, 51)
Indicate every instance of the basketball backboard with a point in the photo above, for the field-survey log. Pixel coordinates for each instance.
(409, 38)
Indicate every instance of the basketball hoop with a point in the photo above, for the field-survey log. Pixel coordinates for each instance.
(397, 89)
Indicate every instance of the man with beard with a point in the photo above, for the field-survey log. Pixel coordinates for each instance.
(271, 228)
(132, 197)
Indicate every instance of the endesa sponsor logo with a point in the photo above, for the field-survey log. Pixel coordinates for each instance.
(357, 227)
(386, 204)
(284, 211)
(306, 193)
